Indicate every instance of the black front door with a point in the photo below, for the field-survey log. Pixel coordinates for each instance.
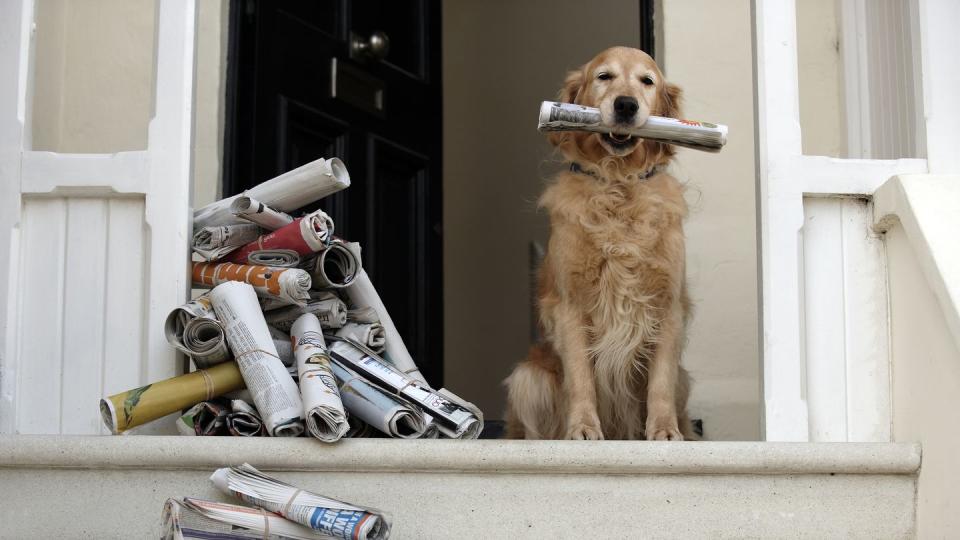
(359, 80)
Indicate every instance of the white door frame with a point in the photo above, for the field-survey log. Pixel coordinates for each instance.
(159, 178)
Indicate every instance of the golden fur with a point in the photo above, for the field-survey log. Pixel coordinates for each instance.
(612, 288)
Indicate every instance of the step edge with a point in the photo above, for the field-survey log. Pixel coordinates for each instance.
(490, 456)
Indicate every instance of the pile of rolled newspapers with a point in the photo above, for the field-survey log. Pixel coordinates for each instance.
(292, 338)
(556, 116)
(278, 510)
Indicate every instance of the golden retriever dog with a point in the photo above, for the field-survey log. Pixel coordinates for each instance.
(612, 288)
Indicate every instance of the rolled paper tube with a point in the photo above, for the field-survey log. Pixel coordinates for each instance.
(306, 236)
(285, 193)
(335, 267)
(136, 407)
(253, 210)
(290, 285)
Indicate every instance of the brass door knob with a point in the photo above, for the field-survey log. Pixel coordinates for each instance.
(376, 47)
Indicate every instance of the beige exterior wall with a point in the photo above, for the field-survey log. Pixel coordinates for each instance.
(93, 75)
(714, 68)
(819, 67)
(926, 383)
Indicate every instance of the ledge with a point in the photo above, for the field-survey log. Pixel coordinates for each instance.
(492, 456)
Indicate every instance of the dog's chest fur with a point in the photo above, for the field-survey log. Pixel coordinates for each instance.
(617, 245)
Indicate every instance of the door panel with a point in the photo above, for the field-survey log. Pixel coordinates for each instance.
(297, 92)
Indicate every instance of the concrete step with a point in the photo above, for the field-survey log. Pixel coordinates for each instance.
(114, 487)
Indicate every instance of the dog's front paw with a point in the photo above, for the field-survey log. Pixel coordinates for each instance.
(585, 428)
(663, 429)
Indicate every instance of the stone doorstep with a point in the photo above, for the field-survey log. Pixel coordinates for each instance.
(114, 487)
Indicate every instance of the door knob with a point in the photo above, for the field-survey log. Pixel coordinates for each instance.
(376, 47)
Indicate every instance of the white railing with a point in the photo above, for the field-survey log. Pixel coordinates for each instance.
(820, 345)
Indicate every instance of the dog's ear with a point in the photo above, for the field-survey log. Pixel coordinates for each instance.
(567, 94)
(571, 86)
(671, 96)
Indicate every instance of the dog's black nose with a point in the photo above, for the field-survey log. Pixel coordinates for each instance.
(625, 107)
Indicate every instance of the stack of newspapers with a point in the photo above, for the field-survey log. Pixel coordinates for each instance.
(291, 338)
(278, 510)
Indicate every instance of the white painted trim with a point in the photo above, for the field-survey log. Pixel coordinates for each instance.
(856, 88)
(432, 456)
(928, 208)
(939, 47)
(16, 18)
(152, 228)
(49, 172)
(784, 177)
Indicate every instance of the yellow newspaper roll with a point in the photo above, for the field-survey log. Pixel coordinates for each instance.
(145, 404)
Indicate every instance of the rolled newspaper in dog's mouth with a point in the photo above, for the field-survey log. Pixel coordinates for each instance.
(555, 116)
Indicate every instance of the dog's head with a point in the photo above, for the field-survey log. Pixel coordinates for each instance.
(628, 87)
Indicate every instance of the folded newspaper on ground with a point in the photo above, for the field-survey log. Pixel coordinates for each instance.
(306, 235)
(197, 519)
(252, 210)
(362, 294)
(278, 258)
(323, 409)
(193, 328)
(335, 267)
(330, 516)
(289, 285)
(285, 193)
(326, 306)
(213, 243)
(135, 407)
(388, 413)
(454, 417)
(555, 116)
(370, 334)
(275, 395)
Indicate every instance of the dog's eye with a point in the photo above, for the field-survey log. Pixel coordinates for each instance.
(604, 76)
(647, 80)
